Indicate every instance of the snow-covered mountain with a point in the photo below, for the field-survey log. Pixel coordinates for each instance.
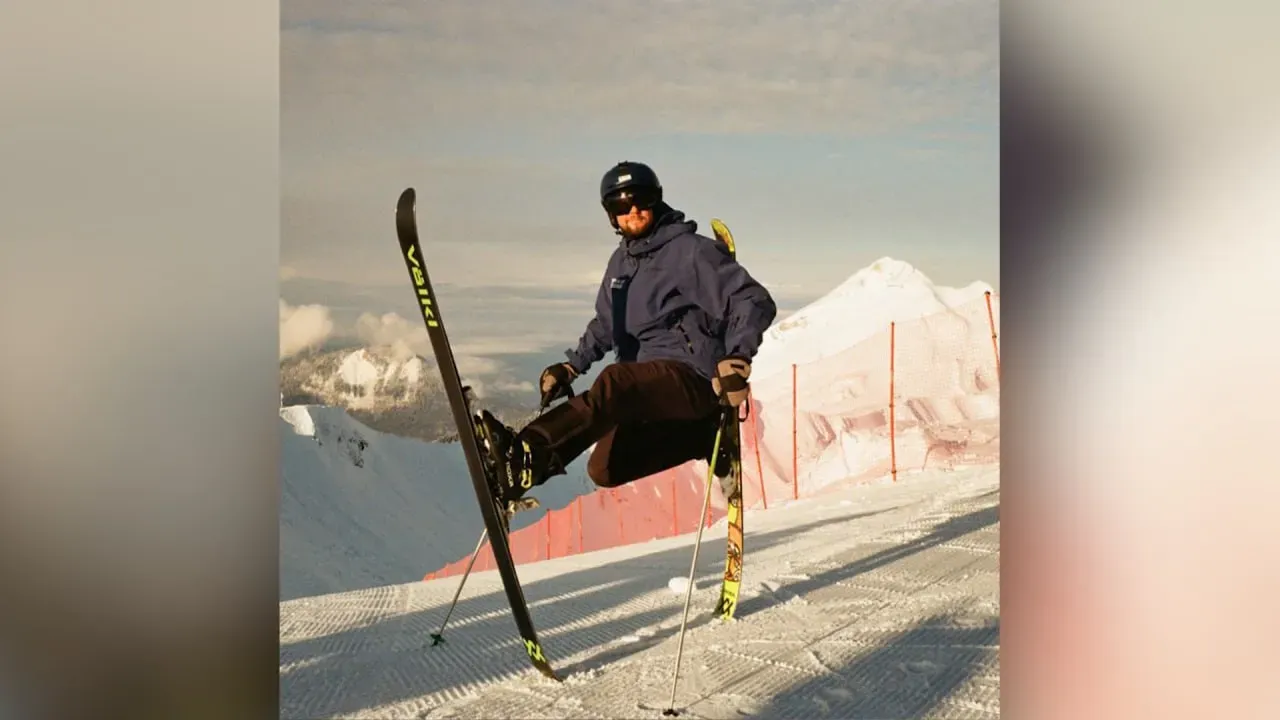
(363, 378)
(944, 382)
(360, 508)
(886, 291)
(387, 389)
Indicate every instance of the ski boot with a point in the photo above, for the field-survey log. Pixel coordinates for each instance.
(728, 460)
(724, 471)
(519, 465)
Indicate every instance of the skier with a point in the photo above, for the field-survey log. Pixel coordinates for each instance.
(684, 320)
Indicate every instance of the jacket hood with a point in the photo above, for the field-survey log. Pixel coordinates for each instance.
(668, 224)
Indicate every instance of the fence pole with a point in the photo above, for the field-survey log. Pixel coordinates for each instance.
(995, 345)
(893, 440)
(581, 544)
(617, 507)
(755, 433)
(675, 508)
(707, 519)
(795, 462)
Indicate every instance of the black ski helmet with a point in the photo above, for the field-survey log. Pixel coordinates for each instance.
(628, 174)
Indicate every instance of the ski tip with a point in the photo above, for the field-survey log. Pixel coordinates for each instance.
(407, 199)
(722, 234)
(406, 218)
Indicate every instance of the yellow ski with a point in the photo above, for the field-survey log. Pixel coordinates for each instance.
(731, 484)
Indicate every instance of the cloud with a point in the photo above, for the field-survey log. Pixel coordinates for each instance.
(303, 327)
(392, 330)
(503, 114)
(343, 236)
(409, 337)
(486, 388)
(704, 66)
(482, 319)
(510, 386)
(310, 325)
(487, 324)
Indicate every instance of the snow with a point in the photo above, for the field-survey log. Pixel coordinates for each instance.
(411, 371)
(298, 417)
(864, 598)
(946, 385)
(880, 601)
(360, 508)
(370, 377)
(886, 291)
(358, 370)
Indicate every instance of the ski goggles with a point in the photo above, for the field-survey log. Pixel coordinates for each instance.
(621, 202)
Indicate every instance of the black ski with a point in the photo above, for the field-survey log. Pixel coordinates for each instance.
(481, 474)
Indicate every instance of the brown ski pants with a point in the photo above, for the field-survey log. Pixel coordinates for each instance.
(644, 417)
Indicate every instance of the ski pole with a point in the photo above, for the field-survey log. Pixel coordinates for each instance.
(688, 595)
(438, 637)
(520, 505)
(525, 504)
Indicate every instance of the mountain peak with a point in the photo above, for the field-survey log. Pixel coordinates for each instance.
(885, 291)
(884, 273)
(361, 378)
(388, 388)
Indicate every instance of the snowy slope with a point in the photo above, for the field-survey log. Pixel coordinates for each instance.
(863, 599)
(945, 381)
(887, 290)
(880, 601)
(361, 508)
(408, 508)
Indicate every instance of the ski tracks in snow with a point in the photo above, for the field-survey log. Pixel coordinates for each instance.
(873, 601)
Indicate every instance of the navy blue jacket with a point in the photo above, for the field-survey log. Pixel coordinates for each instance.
(675, 294)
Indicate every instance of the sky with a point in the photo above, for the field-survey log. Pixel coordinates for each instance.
(826, 135)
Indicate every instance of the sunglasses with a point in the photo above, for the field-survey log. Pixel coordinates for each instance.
(621, 202)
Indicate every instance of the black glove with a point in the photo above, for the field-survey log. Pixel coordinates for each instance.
(555, 383)
(730, 382)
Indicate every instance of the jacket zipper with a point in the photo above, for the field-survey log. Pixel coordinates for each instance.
(688, 342)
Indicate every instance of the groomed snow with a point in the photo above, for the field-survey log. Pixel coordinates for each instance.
(879, 601)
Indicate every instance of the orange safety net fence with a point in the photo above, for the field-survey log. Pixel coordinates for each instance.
(921, 394)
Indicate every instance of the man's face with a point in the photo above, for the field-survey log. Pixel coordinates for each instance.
(635, 222)
(633, 209)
